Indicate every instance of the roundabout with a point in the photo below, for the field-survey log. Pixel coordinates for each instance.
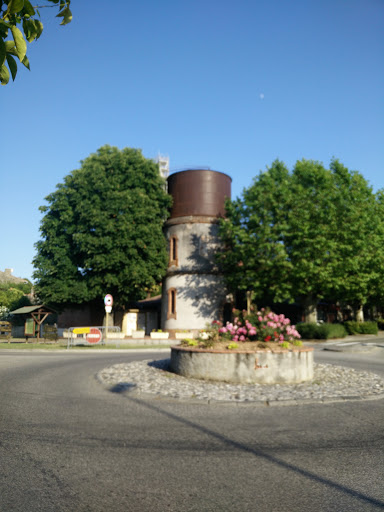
(173, 443)
(330, 383)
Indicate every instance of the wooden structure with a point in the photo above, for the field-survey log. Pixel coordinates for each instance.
(5, 330)
(34, 318)
(50, 332)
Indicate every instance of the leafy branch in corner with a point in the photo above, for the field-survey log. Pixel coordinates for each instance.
(13, 41)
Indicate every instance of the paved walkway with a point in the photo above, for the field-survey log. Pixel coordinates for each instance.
(357, 343)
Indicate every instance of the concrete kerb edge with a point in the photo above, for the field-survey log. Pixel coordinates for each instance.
(298, 401)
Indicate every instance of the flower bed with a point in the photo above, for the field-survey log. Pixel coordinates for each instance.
(261, 326)
(260, 347)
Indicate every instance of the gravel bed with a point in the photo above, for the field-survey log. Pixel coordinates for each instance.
(330, 383)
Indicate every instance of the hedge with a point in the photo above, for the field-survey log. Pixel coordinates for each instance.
(312, 331)
(361, 327)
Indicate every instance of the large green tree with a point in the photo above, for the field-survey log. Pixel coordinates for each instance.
(359, 238)
(102, 231)
(13, 40)
(305, 235)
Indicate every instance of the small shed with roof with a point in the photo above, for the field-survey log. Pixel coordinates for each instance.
(34, 318)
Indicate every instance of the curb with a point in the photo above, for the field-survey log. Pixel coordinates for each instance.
(249, 403)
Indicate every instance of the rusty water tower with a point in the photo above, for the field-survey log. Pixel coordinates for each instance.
(193, 289)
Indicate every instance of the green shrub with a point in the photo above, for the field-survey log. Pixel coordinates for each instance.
(380, 324)
(312, 331)
(307, 331)
(361, 327)
(189, 342)
(331, 331)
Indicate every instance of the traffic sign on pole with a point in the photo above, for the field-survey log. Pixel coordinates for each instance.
(94, 335)
(108, 300)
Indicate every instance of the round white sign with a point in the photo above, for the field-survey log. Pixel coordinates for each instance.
(108, 300)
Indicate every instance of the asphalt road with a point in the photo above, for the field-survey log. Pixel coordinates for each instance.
(69, 444)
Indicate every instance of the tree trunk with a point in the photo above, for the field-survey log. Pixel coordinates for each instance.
(250, 296)
(310, 311)
(359, 313)
(339, 314)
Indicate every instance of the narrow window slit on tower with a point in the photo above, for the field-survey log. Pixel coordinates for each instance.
(173, 250)
(171, 303)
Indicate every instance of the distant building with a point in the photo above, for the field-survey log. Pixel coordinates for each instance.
(7, 277)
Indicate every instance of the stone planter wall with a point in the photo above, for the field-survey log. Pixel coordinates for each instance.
(261, 367)
(159, 335)
(138, 334)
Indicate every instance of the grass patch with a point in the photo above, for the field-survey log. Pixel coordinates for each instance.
(21, 345)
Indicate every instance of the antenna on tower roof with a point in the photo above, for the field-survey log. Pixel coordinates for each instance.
(163, 162)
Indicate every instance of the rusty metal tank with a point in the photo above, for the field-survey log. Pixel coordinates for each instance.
(199, 192)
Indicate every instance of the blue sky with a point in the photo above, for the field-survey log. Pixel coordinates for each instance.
(224, 84)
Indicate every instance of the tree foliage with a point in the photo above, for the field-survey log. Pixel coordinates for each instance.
(102, 231)
(13, 41)
(307, 234)
(13, 296)
(9, 295)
